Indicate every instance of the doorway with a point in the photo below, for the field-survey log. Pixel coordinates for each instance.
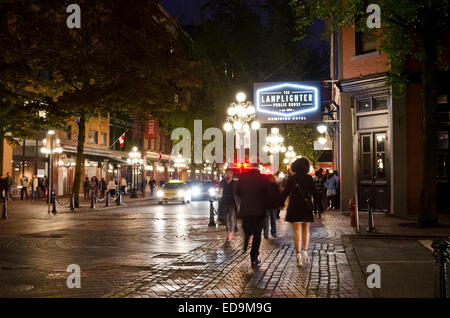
(373, 176)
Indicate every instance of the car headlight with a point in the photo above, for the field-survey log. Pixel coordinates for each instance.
(195, 191)
(212, 191)
(160, 193)
(181, 193)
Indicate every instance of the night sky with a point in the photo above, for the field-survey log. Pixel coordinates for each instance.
(186, 11)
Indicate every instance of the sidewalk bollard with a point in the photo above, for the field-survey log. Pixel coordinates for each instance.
(107, 199)
(93, 200)
(54, 201)
(72, 202)
(119, 199)
(4, 208)
(441, 256)
(371, 227)
(211, 214)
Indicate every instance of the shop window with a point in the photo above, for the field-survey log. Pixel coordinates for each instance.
(103, 139)
(372, 104)
(364, 105)
(93, 137)
(380, 164)
(380, 103)
(366, 42)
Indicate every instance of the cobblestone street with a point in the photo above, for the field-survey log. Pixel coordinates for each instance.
(147, 250)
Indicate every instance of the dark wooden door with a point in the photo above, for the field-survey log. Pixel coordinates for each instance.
(373, 177)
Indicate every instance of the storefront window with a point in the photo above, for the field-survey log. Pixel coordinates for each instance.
(380, 156)
(380, 103)
(93, 137)
(364, 105)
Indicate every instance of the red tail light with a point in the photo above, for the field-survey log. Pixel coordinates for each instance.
(238, 165)
(245, 165)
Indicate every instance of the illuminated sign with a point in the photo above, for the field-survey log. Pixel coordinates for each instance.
(287, 102)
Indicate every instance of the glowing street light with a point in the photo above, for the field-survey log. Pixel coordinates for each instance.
(134, 158)
(241, 116)
(322, 129)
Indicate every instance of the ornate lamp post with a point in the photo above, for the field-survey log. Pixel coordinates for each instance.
(274, 145)
(134, 158)
(51, 146)
(240, 117)
(290, 156)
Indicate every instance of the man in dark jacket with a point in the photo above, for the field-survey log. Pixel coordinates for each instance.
(251, 189)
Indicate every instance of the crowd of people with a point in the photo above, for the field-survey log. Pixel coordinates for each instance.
(257, 199)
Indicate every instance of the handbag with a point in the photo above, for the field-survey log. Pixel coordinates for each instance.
(309, 205)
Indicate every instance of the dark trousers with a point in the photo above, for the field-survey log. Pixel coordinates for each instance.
(21, 193)
(253, 225)
(229, 211)
(271, 215)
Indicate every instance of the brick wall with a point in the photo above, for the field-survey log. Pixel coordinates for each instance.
(362, 65)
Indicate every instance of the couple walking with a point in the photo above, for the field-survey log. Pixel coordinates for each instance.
(253, 195)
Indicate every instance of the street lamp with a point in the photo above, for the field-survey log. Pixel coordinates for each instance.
(241, 115)
(274, 145)
(322, 129)
(51, 146)
(134, 158)
(290, 155)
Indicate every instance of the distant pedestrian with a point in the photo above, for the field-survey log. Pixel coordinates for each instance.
(94, 185)
(228, 203)
(123, 185)
(102, 187)
(152, 185)
(251, 190)
(272, 207)
(34, 187)
(86, 187)
(300, 189)
(112, 187)
(45, 184)
(8, 184)
(319, 185)
(337, 201)
(330, 184)
(24, 184)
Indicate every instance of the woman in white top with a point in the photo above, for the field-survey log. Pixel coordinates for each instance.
(112, 187)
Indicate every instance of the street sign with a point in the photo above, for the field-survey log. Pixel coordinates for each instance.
(290, 102)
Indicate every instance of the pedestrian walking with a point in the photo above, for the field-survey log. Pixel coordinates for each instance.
(272, 208)
(337, 201)
(330, 185)
(319, 185)
(8, 185)
(251, 190)
(94, 185)
(123, 185)
(45, 184)
(300, 189)
(34, 187)
(152, 185)
(228, 203)
(24, 184)
(86, 187)
(102, 187)
(112, 187)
